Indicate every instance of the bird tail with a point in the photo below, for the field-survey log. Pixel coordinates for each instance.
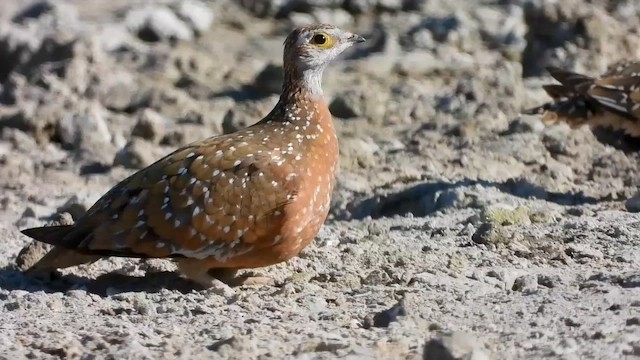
(570, 80)
(60, 256)
(53, 235)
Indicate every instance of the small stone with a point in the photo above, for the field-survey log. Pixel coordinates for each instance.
(12, 306)
(262, 8)
(150, 126)
(144, 306)
(269, 80)
(157, 23)
(507, 277)
(368, 102)
(525, 283)
(346, 105)
(221, 289)
(76, 206)
(28, 213)
(314, 304)
(386, 317)
(457, 262)
(338, 17)
(358, 152)
(634, 321)
(195, 13)
(121, 90)
(554, 139)
(571, 322)
(376, 277)
(631, 281)
(540, 217)
(454, 346)
(361, 6)
(137, 154)
(83, 130)
(63, 12)
(526, 124)
(581, 251)
(633, 203)
(488, 233)
(565, 347)
(548, 281)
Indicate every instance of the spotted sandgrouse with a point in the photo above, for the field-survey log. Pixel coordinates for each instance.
(611, 100)
(248, 199)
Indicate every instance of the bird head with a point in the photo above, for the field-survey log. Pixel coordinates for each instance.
(313, 47)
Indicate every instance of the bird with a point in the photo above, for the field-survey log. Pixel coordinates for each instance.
(610, 100)
(242, 200)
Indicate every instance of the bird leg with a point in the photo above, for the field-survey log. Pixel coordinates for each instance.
(200, 272)
(229, 276)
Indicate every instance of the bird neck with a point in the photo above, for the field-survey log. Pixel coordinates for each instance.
(302, 100)
(306, 82)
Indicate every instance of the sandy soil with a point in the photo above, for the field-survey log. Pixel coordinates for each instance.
(459, 228)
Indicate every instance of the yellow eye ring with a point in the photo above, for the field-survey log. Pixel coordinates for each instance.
(322, 40)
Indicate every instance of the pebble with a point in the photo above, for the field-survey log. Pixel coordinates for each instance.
(633, 203)
(507, 276)
(157, 23)
(455, 346)
(634, 321)
(77, 205)
(631, 280)
(269, 80)
(376, 277)
(488, 233)
(150, 126)
(386, 317)
(196, 14)
(137, 154)
(83, 130)
(582, 251)
(62, 12)
(549, 281)
(525, 283)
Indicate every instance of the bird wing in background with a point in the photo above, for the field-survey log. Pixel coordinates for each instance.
(611, 100)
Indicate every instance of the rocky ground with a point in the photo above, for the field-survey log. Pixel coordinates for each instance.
(459, 229)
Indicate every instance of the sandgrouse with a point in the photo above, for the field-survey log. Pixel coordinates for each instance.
(248, 199)
(611, 100)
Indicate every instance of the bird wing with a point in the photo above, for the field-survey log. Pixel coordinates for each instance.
(619, 94)
(611, 100)
(216, 197)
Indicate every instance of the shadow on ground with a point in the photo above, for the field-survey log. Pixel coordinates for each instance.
(427, 198)
(104, 285)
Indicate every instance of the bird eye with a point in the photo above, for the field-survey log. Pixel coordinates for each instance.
(322, 40)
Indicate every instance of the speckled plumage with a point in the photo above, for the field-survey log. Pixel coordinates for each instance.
(248, 199)
(611, 100)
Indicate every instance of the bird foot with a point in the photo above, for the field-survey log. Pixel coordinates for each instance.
(219, 277)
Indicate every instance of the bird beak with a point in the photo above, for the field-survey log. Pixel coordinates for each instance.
(355, 38)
